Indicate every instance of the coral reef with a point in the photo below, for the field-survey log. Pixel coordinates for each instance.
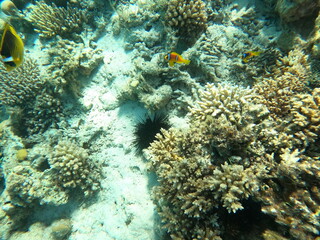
(73, 168)
(228, 154)
(232, 110)
(51, 20)
(213, 163)
(189, 18)
(21, 85)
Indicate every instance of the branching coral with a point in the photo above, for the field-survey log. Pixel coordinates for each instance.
(21, 85)
(51, 20)
(203, 167)
(306, 117)
(234, 120)
(74, 168)
(184, 196)
(276, 90)
(187, 17)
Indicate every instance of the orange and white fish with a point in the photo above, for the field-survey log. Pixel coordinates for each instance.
(174, 57)
(247, 55)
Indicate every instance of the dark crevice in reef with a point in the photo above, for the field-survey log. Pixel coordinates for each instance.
(249, 223)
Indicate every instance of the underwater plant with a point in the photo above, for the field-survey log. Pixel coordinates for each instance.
(146, 130)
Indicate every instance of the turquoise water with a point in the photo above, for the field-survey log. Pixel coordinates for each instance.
(236, 84)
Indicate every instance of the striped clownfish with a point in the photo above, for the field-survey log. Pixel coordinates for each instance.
(11, 48)
(247, 55)
(174, 57)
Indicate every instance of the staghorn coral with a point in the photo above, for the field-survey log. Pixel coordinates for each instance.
(21, 85)
(51, 20)
(189, 18)
(73, 168)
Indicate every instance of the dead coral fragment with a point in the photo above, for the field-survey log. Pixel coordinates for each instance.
(74, 168)
(20, 85)
(51, 20)
(188, 17)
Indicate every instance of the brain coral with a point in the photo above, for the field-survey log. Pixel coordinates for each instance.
(187, 17)
(73, 167)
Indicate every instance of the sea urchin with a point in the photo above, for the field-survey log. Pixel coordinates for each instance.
(145, 131)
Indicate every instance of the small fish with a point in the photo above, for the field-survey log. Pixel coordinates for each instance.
(247, 55)
(11, 48)
(174, 57)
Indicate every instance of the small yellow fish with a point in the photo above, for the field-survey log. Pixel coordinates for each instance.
(174, 57)
(247, 55)
(11, 48)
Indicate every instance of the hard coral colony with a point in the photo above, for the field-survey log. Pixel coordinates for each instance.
(234, 153)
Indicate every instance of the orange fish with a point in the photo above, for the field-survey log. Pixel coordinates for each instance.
(247, 55)
(174, 57)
